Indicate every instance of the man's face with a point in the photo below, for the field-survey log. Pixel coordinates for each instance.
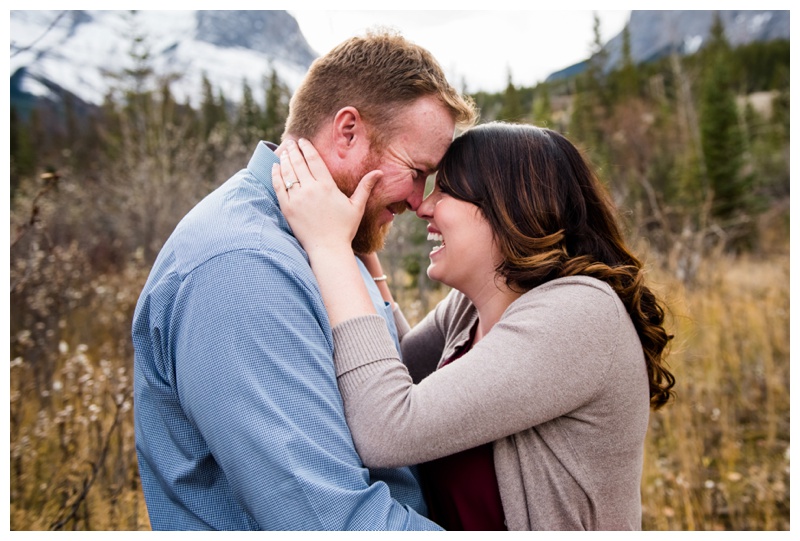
(425, 130)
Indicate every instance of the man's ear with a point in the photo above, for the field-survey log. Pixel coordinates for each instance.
(349, 131)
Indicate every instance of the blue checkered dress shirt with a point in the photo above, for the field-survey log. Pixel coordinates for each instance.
(239, 422)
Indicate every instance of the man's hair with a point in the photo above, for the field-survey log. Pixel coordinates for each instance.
(378, 74)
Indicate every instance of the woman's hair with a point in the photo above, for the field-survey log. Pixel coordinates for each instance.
(552, 218)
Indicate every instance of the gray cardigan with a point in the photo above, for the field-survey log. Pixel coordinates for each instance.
(559, 385)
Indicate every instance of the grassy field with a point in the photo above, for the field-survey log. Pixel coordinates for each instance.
(716, 459)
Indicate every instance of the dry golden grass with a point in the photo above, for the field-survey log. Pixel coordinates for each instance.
(73, 462)
(716, 458)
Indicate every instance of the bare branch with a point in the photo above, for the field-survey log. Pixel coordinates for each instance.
(19, 50)
(89, 480)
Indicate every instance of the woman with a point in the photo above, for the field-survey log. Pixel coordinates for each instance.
(544, 359)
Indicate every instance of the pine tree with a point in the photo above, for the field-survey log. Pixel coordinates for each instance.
(512, 108)
(249, 118)
(542, 110)
(722, 141)
(212, 109)
(112, 127)
(73, 150)
(780, 104)
(276, 108)
(595, 73)
(591, 103)
(628, 74)
(151, 175)
(23, 152)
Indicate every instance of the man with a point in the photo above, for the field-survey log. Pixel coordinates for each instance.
(239, 424)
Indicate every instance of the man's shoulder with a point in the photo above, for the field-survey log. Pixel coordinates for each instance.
(237, 217)
(219, 246)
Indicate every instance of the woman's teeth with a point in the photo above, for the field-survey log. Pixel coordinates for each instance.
(436, 237)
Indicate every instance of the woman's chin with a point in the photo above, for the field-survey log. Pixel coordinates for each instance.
(435, 274)
(431, 272)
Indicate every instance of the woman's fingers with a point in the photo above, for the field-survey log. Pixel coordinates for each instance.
(304, 163)
(300, 165)
(290, 174)
(314, 161)
(298, 162)
(279, 185)
(364, 188)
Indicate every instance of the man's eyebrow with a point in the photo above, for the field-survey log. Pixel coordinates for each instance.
(429, 167)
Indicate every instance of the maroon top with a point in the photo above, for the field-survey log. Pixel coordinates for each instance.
(461, 489)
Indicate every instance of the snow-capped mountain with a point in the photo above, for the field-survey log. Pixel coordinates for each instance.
(657, 33)
(81, 51)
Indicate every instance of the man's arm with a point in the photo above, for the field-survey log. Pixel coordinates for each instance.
(261, 388)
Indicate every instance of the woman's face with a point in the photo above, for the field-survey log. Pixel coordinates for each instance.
(465, 255)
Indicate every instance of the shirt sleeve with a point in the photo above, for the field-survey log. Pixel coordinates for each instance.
(256, 378)
(543, 359)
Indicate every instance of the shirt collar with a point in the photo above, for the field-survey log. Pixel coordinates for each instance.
(260, 165)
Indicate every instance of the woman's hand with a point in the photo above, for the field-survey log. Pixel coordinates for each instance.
(325, 221)
(320, 215)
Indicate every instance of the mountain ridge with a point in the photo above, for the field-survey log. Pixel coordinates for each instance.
(655, 34)
(77, 50)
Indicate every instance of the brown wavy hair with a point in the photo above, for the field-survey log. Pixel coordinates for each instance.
(377, 73)
(552, 218)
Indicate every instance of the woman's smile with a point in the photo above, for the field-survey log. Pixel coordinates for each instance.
(436, 237)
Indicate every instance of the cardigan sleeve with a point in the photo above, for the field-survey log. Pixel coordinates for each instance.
(545, 357)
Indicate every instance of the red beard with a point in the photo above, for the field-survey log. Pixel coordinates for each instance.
(370, 236)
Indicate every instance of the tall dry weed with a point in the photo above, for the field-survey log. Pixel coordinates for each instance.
(73, 462)
(717, 458)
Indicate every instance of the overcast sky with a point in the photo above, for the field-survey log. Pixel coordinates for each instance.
(477, 47)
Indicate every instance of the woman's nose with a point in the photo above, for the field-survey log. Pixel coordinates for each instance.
(425, 209)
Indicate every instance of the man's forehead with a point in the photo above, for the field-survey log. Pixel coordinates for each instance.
(436, 153)
(426, 131)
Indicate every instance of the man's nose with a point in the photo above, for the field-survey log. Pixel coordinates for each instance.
(414, 200)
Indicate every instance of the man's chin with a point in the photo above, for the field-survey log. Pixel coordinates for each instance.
(371, 238)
